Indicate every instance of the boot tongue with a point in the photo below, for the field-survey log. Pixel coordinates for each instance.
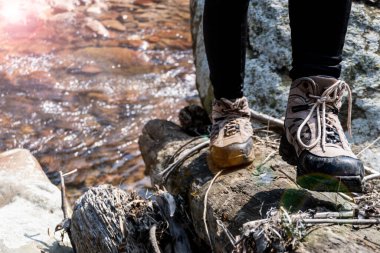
(323, 82)
(229, 103)
(225, 108)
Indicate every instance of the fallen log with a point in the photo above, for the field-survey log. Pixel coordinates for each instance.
(107, 219)
(243, 195)
(258, 208)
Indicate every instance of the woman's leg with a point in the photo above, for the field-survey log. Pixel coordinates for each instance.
(225, 36)
(315, 140)
(318, 32)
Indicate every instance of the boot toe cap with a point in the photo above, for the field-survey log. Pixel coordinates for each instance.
(334, 166)
(232, 155)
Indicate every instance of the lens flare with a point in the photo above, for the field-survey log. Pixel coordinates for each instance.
(11, 11)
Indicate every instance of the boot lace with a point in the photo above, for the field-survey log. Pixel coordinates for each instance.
(232, 127)
(325, 128)
(231, 112)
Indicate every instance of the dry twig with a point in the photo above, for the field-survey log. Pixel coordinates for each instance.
(65, 224)
(266, 119)
(290, 178)
(63, 196)
(185, 155)
(343, 221)
(370, 145)
(370, 170)
(370, 177)
(267, 158)
(205, 206)
(153, 239)
(303, 217)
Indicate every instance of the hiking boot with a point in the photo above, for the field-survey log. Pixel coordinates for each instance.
(231, 141)
(315, 140)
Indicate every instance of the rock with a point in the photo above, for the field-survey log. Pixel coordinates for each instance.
(202, 80)
(114, 25)
(36, 78)
(122, 18)
(97, 27)
(94, 9)
(5, 79)
(358, 241)
(63, 5)
(63, 18)
(194, 120)
(113, 57)
(371, 157)
(87, 70)
(86, 2)
(269, 61)
(144, 3)
(97, 8)
(134, 43)
(30, 206)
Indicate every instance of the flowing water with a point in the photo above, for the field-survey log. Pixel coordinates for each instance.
(77, 95)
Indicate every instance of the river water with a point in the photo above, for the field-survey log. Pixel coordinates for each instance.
(78, 85)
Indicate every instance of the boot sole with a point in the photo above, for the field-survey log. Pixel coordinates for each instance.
(230, 164)
(287, 152)
(316, 181)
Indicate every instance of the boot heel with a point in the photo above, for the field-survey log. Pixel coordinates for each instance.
(287, 152)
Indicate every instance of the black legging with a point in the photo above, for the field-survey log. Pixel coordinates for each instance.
(318, 30)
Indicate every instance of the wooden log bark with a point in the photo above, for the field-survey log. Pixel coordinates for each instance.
(109, 220)
(244, 194)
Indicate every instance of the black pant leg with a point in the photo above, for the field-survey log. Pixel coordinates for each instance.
(225, 36)
(318, 31)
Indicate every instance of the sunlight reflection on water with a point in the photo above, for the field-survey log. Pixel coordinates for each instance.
(79, 101)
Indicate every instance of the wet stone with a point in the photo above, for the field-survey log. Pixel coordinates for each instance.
(114, 25)
(114, 56)
(85, 70)
(97, 27)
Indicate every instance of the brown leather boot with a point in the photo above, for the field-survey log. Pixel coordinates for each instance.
(231, 141)
(315, 140)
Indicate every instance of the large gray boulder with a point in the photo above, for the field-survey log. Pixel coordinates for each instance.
(29, 206)
(269, 62)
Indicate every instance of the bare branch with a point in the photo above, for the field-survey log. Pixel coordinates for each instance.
(370, 177)
(63, 196)
(70, 172)
(153, 239)
(267, 158)
(370, 145)
(343, 221)
(266, 119)
(304, 216)
(166, 172)
(370, 170)
(205, 206)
